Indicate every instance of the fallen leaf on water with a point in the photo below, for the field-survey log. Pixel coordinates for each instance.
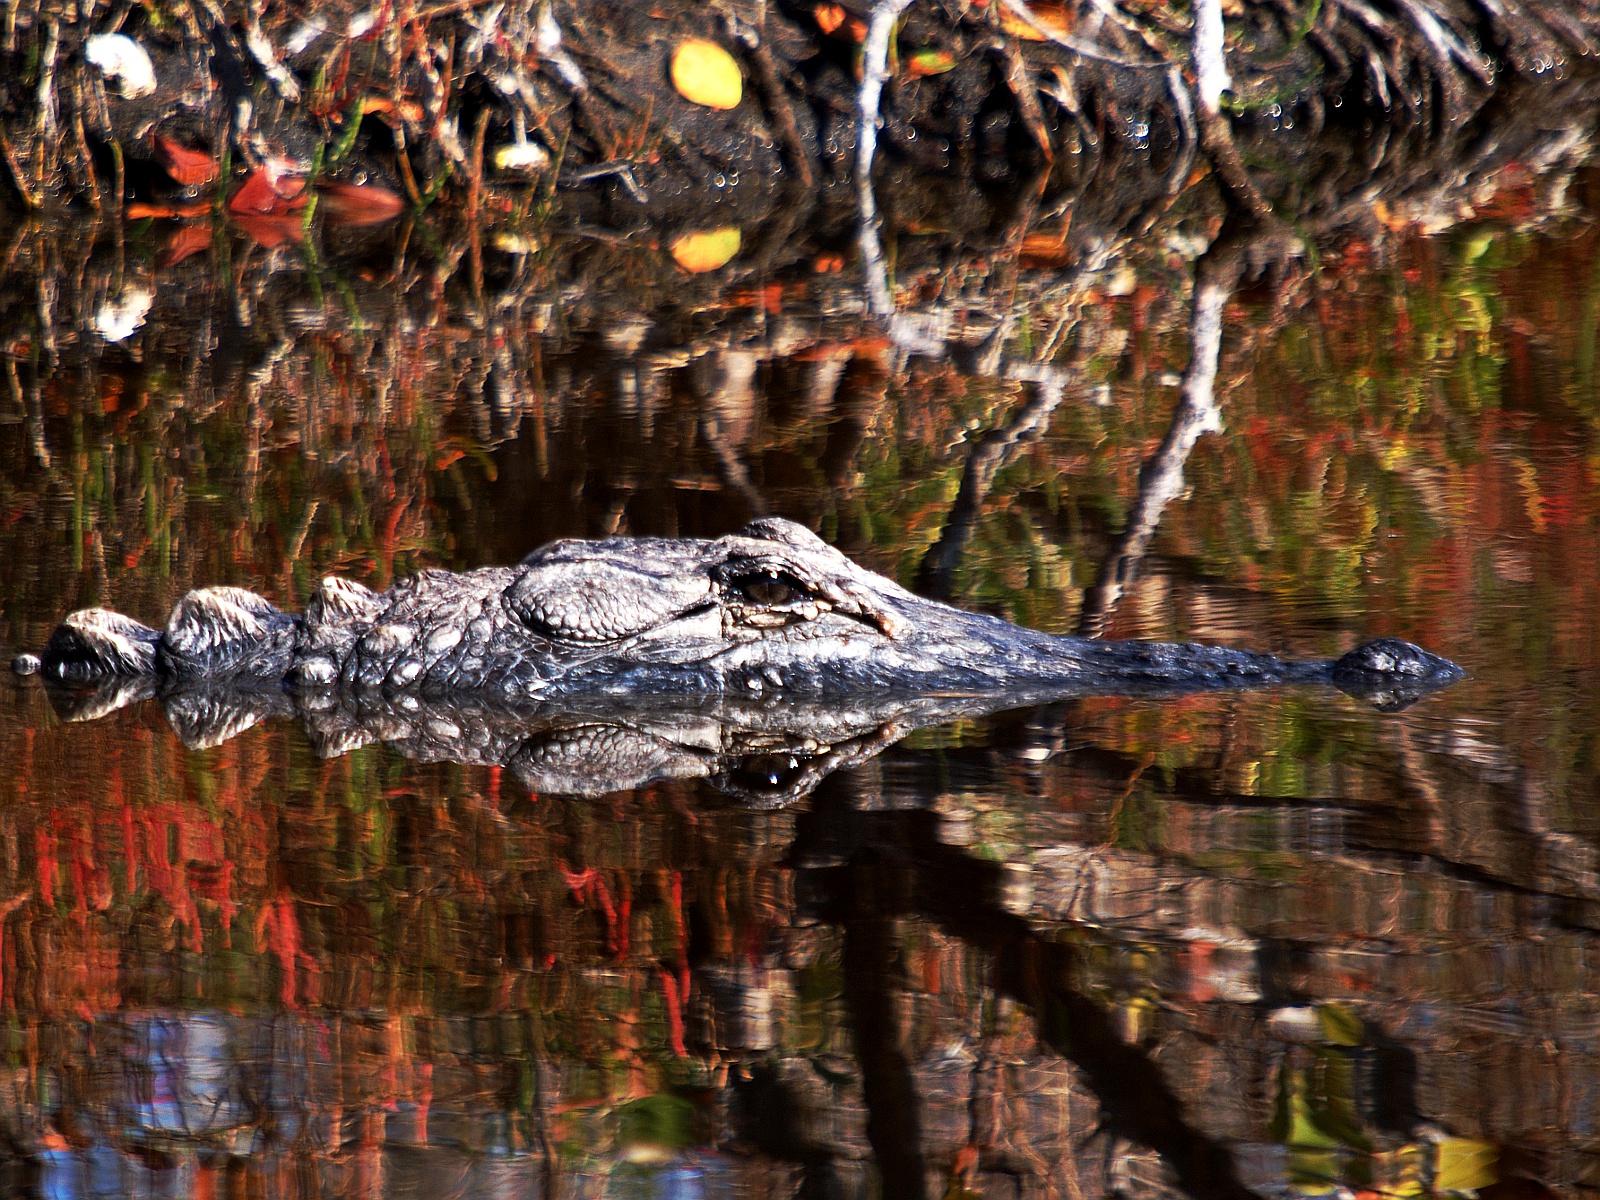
(269, 192)
(1046, 250)
(408, 110)
(930, 62)
(833, 19)
(358, 203)
(190, 167)
(705, 73)
(706, 250)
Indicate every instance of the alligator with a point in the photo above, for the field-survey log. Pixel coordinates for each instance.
(770, 615)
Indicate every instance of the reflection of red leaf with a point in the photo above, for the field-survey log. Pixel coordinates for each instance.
(188, 240)
(358, 203)
(268, 192)
(187, 166)
(269, 232)
(165, 212)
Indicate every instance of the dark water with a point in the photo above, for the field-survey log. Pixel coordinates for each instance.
(1270, 942)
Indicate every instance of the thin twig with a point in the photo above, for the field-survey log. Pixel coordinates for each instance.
(260, 47)
(18, 176)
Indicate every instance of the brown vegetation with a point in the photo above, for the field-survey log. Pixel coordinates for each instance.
(495, 105)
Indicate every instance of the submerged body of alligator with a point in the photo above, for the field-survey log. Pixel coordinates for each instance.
(730, 625)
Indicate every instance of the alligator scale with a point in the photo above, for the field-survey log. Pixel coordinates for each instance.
(767, 618)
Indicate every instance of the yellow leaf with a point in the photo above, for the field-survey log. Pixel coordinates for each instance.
(705, 73)
(706, 249)
(1465, 1165)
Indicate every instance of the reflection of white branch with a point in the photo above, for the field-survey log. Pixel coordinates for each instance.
(919, 334)
(725, 411)
(1162, 477)
(550, 48)
(993, 451)
(874, 71)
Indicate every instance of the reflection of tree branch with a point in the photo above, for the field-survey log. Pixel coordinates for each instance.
(1161, 480)
(961, 894)
(992, 451)
(726, 410)
(541, 1114)
(894, 1126)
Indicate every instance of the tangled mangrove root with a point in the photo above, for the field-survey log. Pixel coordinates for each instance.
(493, 106)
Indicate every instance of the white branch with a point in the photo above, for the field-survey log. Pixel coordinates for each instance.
(1210, 64)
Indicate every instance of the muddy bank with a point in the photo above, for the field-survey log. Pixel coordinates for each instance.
(504, 110)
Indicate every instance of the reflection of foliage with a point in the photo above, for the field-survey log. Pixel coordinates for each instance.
(1415, 453)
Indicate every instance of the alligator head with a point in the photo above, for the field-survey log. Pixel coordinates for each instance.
(768, 615)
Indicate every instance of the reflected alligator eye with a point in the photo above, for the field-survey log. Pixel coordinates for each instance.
(759, 773)
(772, 588)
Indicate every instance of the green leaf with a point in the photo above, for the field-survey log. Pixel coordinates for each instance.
(1340, 1026)
(929, 62)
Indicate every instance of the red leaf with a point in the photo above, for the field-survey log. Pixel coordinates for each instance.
(192, 168)
(269, 232)
(358, 203)
(268, 193)
(188, 240)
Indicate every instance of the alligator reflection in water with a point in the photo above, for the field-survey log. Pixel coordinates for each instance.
(767, 754)
(601, 665)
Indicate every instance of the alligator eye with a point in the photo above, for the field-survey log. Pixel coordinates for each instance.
(764, 774)
(773, 589)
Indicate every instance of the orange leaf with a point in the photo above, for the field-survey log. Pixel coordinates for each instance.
(269, 232)
(139, 211)
(190, 167)
(358, 203)
(267, 193)
(829, 17)
(1053, 18)
(187, 241)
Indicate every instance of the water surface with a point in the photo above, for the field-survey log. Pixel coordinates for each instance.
(1270, 942)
